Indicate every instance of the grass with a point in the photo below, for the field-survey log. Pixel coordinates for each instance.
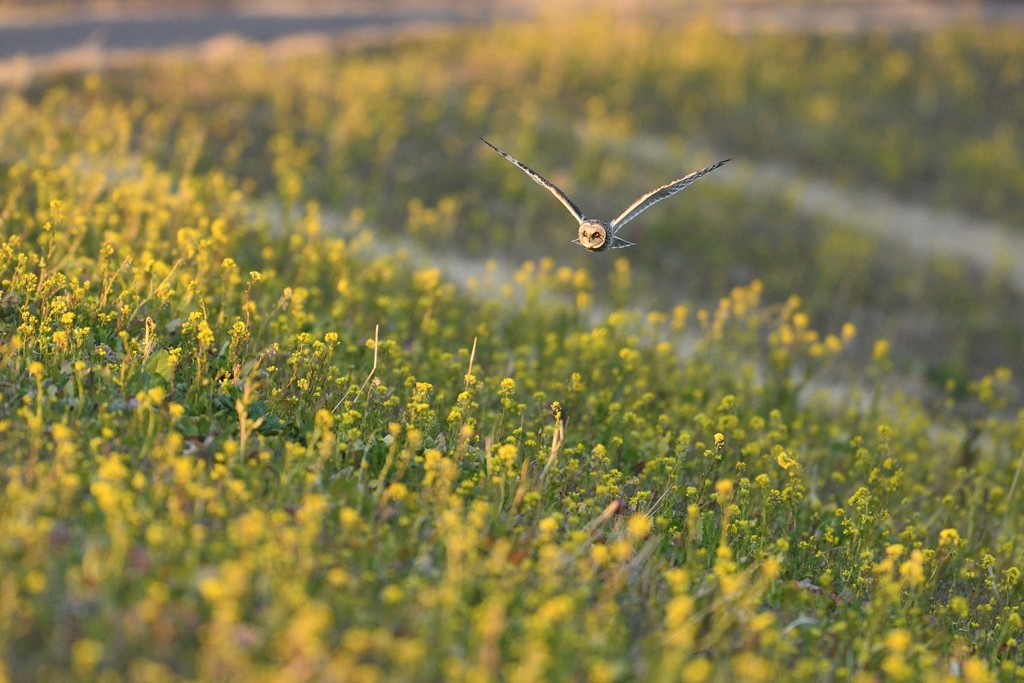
(241, 443)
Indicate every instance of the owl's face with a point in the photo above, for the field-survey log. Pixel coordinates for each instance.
(593, 235)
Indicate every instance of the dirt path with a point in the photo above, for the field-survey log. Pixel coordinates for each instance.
(160, 31)
(923, 229)
(860, 16)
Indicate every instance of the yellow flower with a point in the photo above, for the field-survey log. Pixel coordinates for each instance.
(156, 395)
(392, 594)
(507, 454)
(898, 640)
(555, 608)
(752, 667)
(897, 668)
(323, 420)
(912, 571)
(348, 516)
(678, 610)
(35, 581)
(639, 526)
(724, 490)
(976, 671)
(86, 655)
(697, 671)
(35, 368)
(60, 338)
(677, 579)
(959, 606)
(762, 621)
(894, 550)
(949, 537)
(548, 525)
(785, 462)
(679, 314)
(336, 576)
(397, 492)
(881, 350)
(628, 355)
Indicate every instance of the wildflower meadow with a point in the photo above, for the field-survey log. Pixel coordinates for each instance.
(257, 425)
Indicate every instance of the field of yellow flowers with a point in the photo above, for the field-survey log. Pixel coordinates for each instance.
(247, 435)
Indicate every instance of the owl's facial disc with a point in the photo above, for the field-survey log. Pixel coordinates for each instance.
(593, 235)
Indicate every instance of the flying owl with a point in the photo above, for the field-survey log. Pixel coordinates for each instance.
(598, 235)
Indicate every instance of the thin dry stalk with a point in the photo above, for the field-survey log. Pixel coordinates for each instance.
(1016, 477)
(556, 444)
(376, 346)
(521, 489)
(612, 509)
(472, 355)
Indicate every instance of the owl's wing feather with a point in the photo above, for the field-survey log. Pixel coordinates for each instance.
(540, 180)
(648, 200)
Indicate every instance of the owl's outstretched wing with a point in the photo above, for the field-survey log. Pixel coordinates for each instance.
(654, 196)
(540, 180)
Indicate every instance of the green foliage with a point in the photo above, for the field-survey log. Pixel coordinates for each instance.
(244, 439)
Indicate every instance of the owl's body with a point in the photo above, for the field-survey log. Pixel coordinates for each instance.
(597, 235)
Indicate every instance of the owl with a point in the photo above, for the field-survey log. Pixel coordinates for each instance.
(595, 234)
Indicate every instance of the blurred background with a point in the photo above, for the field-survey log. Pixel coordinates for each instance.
(876, 146)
